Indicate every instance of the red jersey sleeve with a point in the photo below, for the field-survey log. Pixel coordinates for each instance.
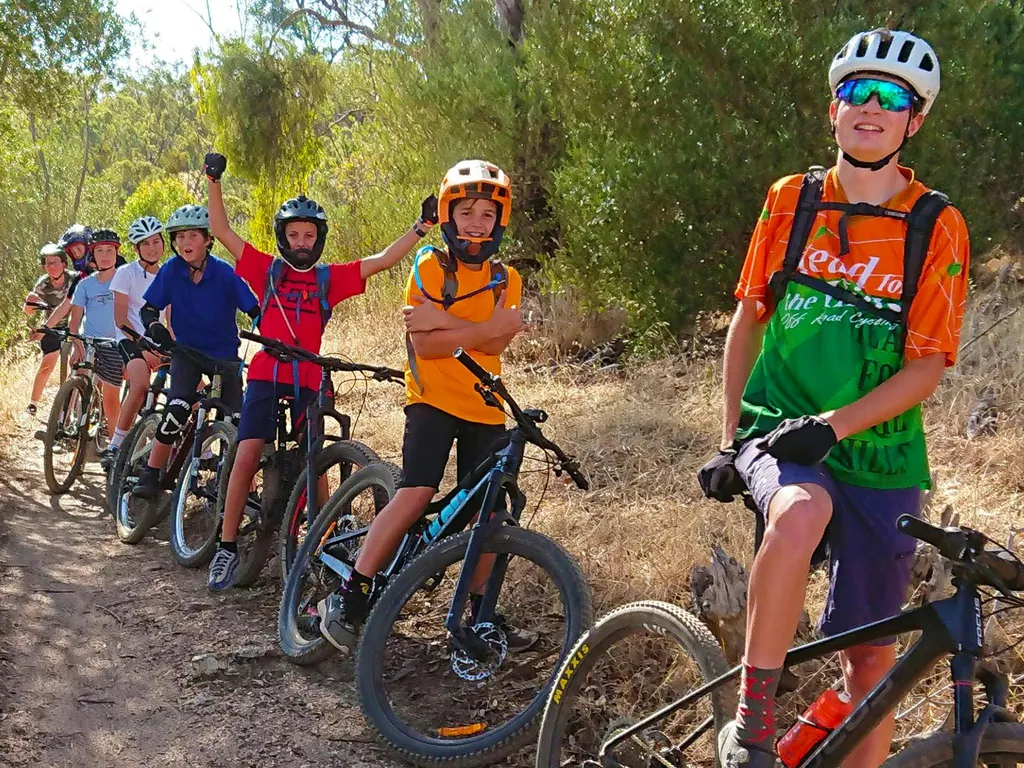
(253, 267)
(346, 281)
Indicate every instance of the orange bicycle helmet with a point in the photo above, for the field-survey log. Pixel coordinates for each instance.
(479, 180)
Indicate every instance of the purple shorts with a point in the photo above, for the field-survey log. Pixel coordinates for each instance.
(869, 561)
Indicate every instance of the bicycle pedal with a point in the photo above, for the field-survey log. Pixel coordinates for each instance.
(433, 582)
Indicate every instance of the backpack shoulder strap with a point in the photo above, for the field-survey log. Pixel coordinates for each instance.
(811, 190)
(273, 278)
(499, 279)
(450, 287)
(323, 291)
(920, 225)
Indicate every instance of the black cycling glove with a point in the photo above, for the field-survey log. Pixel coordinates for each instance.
(719, 478)
(160, 335)
(214, 165)
(428, 216)
(806, 440)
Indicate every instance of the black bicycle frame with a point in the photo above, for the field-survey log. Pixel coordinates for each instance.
(316, 437)
(948, 627)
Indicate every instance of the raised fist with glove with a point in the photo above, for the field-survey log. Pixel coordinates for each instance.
(214, 166)
(428, 216)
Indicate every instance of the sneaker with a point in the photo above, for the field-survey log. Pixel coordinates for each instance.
(108, 457)
(223, 568)
(148, 485)
(735, 754)
(338, 629)
(517, 639)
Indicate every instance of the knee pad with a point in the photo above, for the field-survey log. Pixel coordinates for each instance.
(176, 416)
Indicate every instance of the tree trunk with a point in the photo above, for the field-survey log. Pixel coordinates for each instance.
(85, 156)
(430, 17)
(510, 19)
(46, 174)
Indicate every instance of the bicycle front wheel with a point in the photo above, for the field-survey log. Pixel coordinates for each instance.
(335, 464)
(195, 514)
(636, 660)
(432, 704)
(133, 516)
(1002, 744)
(67, 435)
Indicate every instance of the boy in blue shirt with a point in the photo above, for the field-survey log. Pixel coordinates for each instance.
(204, 294)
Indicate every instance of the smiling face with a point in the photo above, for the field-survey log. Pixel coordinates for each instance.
(75, 251)
(54, 266)
(301, 235)
(151, 249)
(192, 244)
(869, 132)
(475, 218)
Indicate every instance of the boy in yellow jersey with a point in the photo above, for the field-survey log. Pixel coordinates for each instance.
(460, 297)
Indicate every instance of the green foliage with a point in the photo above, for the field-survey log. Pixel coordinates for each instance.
(263, 107)
(156, 197)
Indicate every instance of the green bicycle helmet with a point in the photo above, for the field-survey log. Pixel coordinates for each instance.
(189, 217)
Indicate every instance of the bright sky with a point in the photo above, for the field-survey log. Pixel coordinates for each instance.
(174, 28)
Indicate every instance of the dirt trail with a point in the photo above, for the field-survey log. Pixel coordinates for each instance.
(97, 641)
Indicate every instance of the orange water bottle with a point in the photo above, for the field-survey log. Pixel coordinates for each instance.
(825, 714)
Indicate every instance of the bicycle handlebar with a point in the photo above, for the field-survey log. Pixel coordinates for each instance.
(64, 333)
(209, 365)
(527, 421)
(288, 353)
(966, 548)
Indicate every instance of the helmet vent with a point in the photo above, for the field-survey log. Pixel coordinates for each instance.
(464, 171)
(927, 63)
(862, 48)
(905, 51)
(884, 46)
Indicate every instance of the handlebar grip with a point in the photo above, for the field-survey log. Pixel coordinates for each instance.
(580, 479)
(474, 367)
(930, 534)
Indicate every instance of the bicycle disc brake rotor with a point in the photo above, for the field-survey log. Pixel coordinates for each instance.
(468, 668)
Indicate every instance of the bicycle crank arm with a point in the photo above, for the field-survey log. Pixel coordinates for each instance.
(336, 565)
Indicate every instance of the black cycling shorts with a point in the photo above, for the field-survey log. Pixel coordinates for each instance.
(129, 351)
(49, 344)
(429, 434)
(185, 376)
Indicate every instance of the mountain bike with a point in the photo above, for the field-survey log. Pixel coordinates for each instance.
(202, 443)
(65, 347)
(435, 670)
(281, 498)
(154, 402)
(666, 725)
(76, 416)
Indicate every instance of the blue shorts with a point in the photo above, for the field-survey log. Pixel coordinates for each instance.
(259, 408)
(869, 561)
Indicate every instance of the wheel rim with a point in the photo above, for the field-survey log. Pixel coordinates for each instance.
(141, 446)
(196, 517)
(435, 693)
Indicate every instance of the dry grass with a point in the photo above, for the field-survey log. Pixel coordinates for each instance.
(642, 433)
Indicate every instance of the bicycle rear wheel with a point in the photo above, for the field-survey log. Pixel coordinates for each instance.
(1003, 744)
(335, 463)
(634, 661)
(351, 507)
(195, 510)
(67, 434)
(432, 705)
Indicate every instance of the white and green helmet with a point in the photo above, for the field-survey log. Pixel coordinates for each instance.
(143, 227)
(188, 217)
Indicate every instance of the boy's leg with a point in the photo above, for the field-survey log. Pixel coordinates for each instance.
(46, 366)
(428, 439)
(256, 425)
(870, 567)
(799, 507)
(184, 379)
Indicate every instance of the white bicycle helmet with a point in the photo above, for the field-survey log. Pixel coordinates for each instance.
(143, 227)
(895, 53)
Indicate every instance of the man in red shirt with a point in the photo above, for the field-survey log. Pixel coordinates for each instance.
(294, 314)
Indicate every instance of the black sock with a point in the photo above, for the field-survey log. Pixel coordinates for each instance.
(355, 593)
(755, 715)
(230, 546)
